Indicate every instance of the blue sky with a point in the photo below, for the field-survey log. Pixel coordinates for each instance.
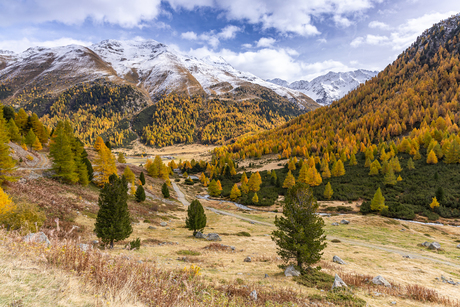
(288, 39)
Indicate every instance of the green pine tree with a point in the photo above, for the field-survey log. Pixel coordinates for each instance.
(378, 202)
(300, 234)
(140, 194)
(390, 178)
(196, 218)
(142, 178)
(165, 190)
(62, 156)
(6, 162)
(13, 131)
(113, 221)
(30, 138)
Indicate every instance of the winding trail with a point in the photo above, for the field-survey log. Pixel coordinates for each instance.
(180, 195)
(43, 164)
(399, 251)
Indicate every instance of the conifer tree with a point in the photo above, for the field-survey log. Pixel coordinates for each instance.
(255, 198)
(6, 162)
(140, 194)
(328, 192)
(37, 145)
(390, 178)
(21, 121)
(165, 190)
(434, 203)
(6, 204)
(13, 131)
(399, 178)
(121, 158)
(63, 156)
(440, 194)
(303, 174)
(353, 160)
(374, 170)
(244, 178)
(378, 202)
(385, 167)
(254, 182)
(338, 169)
(89, 168)
(142, 178)
(273, 177)
(112, 221)
(213, 189)
(410, 164)
(99, 143)
(368, 162)
(129, 175)
(244, 188)
(30, 138)
(300, 234)
(417, 155)
(235, 192)
(326, 172)
(104, 165)
(453, 153)
(313, 177)
(196, 218)
(395, 164)
(289, 182)
(431, 158)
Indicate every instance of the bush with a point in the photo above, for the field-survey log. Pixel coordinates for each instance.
(165, 190)
(243, 234)
(186, 252)
(314, 278)
(23, 217)
(135, 244)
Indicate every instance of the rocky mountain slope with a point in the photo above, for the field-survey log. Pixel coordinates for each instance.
(329, 87)
(107, 84)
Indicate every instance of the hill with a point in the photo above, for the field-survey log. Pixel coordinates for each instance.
(80, 83)
(410, 110)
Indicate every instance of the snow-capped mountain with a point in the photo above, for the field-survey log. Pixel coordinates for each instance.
(152, 67)
(331, 86)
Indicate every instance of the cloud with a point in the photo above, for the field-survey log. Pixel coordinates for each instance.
(247, 46)
(229, 32)
(266, 42)
(322, 40)
(378, 25)
(357, 42)
(23, 44)
(190, 35)
(288, 16)
(269, 63)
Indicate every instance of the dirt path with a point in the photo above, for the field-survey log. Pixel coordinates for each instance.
(401, 252)
(43, 164)
(180, 195)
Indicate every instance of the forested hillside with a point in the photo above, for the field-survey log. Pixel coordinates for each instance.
(410, 111)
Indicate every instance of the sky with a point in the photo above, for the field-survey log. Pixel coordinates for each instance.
(286, 39)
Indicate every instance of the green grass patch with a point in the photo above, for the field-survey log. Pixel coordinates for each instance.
(187, 252)
(315, 278)
(243, 234)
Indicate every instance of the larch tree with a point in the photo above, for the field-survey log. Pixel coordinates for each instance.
(7, 164)
(213, 189)
(410, 164)
(328, 192)
(338, 169)
(121, 158)
(289, 181)
(6, 206)
(13, 131)
(434, 203)
(129, 175)
(30, 138)
(353, 160)
(99, 143)
(300, 231)
(104, 165)
(390, 178)
(235, 192)
(196, 218)
(273, 177)
(303, 174)
(255, 198)
(431, 158)
(63, 156)
(37, 145)
(113, 221)
(378, 202)
(254, 182)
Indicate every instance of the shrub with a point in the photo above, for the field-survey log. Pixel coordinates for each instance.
(187, 252)
(243, 234)
(29, 157)
(135, 244)
(24, 216)
(314, 278)
(165, 190)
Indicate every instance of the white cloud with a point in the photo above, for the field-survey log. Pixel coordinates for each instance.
(376, 39)
(357, 42)
(378, 25)
(23, 44)
(269, 63)
(229, 32)
(190, 35)
(342, 21)
(322, 40)
(266, 42)
(247, 46)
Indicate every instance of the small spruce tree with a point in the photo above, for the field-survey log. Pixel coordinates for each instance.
(140, 194)
(142, 178)
(112, 221)
(165, 190)
(328, 191)
(196, 218)
(440, 194)
(300, 234)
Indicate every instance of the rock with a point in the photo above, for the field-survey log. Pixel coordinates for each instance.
(84, 247)
(379, 280)
(38, 237)
(338, 283)
(247, 259)
(253, 295)
(407, 257)
(337, 259)
(199, 235)
(434, 246)
(426, 244)
(140, 262)
(291, 271)
(151, 227)
(232, 248)
(252, 223)
(393, 303)
(345, 222)
(164, 224)
(95, 242)
(335, 224)
(266, 276)
(213, 237)
(458, 246)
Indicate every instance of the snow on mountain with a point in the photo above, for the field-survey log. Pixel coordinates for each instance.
(330, 87)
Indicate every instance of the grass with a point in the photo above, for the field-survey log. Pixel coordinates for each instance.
(186, 252)
(315, 278)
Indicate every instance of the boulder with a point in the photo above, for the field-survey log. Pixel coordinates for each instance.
(213, 237)
(199, 235)
(151, 227)
(345, 222)
(337, 259)
(434, 246)
(338, 283)
(38, 237)
(335, 224)
(458, 246)
(407, 257)
(266, 276)
(379, 280)
(164, 224)
(253, 295)
(247, 259)
(426, 244)
(291, 271)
